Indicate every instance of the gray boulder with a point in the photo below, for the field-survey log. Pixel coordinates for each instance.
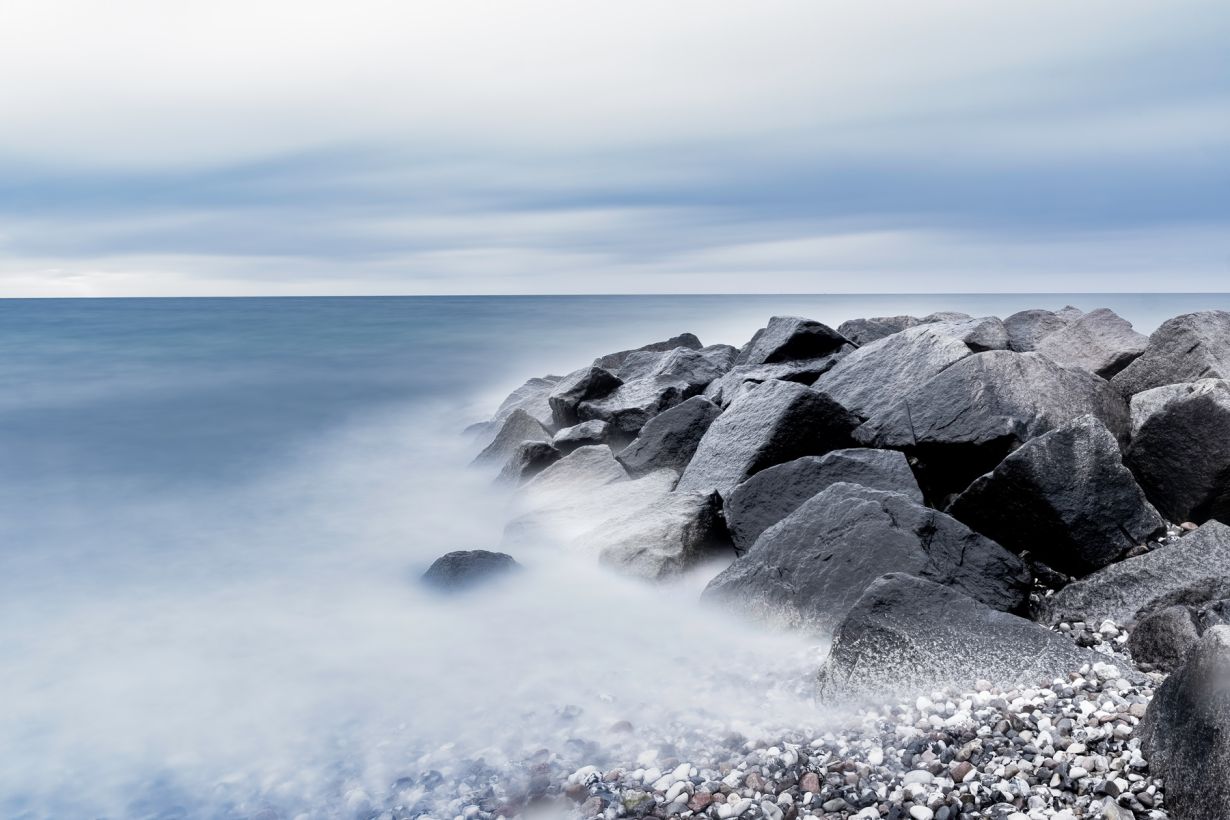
(775, 422)
(964, 421)
(1028, 327)
(528, 460)
(1185, 349)
(865, 331)
(772, 494)
(1163, 639)
(581, 435)
(810, 568)
(532, 397)
(466, 569)
(1180, 449)
(517, 428)
(1064, 496)
(907, 635)
(789, 338)
(1185, 733)
(576, 387)
(741, 378)
(664, 538)
(674, 377)
(614, 361)
(1101, 342)
(670, 438)
(1119, 591)
(584, 469)
(944, 316)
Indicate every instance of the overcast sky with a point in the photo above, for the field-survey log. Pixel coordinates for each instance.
(168, 147)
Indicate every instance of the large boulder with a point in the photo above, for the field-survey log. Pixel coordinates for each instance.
(466, 569)
(614, 361)
(663, 539)
(1185, 733)
(1180, 448)
(670, 438)
(672, 378)
(585, 468)
(1119, 591)
(788, 338)
(964, 421)
(906, 635)
(742, 378)
(1163, 639)
(576, 387)
(581, 435)
(1028, 327)
(866, 331)
(528, 460)
(1101, 342)
(1185, 349)
(531, 397)
(775, 422)
(868, 380)
(811, 567)
(517, 428)
(1065, 497)
(772, 494)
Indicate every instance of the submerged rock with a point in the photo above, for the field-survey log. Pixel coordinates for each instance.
(1180, 448)
(670, 438)
(774, 493)
(775, 422)
(518, 428)
(1066, 497)
(1185, 349)
(811, 567)
(1101, 342)
(790, 338)
(906, 635)
(465, 569)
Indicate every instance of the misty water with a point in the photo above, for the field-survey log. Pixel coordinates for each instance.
(213, 513)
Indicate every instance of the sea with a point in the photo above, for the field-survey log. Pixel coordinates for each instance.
(213, 516)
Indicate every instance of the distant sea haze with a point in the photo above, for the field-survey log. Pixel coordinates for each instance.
(211, 511)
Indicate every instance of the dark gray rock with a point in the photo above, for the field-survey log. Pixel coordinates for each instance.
(907, 635)
(581, 435)
(870, 379)
(1121, 590)
(1180, 449)
(664, 538)
(772, 494)
(670, 438)
(1185, 733)
(1028, 327)
(775, 422)
(865, 331)
(614, 361)
(532, 397)
(811, 567)
(674, 377)
(1064, 496)
(1185, 349)
(741, 378)
(1164, 638)
(1101, 342)
(517, 428)
(788, 338)
(465, 569)
(576, 387)
(964, 421)
(528, 460)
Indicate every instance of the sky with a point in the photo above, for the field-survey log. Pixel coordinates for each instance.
(267, 147)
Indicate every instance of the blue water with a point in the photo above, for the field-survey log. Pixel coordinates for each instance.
(209, 510)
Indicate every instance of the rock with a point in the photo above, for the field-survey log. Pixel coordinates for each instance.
(1180, 449)
(576, 387)
(967, 419)
(775, 422)
(585, 468)
(465, 569)
(1101, 342)
(811, 567)
(1066, 497)
(532, 397)
(581, 435)
(670, 438)
(944, 316)
(741, 378)
(789, 338)
(518, 427)
(1119, 591)
(528, 460)
(1184, 349)
(673, 378)
(563, 517)
(614, 361)
(772, 494)
(865, 331)
(1028, 327)
(868, 380)
(1185, 733)
(907, 635)
(664, 538)
(1164, 638)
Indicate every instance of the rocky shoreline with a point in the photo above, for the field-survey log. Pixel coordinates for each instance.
(1010, 530)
